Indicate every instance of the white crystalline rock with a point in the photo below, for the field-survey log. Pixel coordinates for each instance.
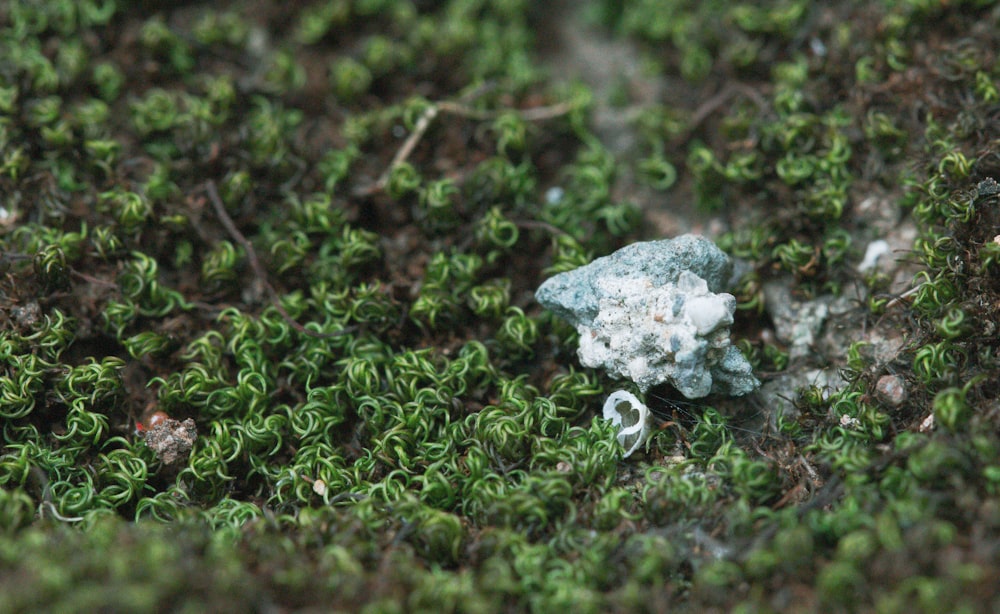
(654, 312)
(708, 313)
(624, 410)
(676, 333)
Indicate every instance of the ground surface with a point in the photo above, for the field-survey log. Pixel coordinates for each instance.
(268, 338)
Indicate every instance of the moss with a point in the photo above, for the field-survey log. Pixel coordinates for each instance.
(314, 230)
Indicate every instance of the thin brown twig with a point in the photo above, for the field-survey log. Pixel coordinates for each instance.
(454, 108)
(7, 257)
(904, 297)
(530, 115)
(411, 143)
(259, 272)
(539, 225)
(94, 280)
(227, 222)
(715, 102)
(404, 152)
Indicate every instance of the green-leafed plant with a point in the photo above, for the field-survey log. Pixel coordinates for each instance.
(314, 230)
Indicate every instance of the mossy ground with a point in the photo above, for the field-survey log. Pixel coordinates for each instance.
(314, 228)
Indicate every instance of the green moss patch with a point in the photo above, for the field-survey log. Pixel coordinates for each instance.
(314, 229)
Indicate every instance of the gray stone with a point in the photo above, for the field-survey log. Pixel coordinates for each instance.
(574, 295)
(891, 390)
(797, 323)
(778, 394)
(650, 313)
(172, 440)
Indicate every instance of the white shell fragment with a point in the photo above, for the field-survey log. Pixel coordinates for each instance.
(632, 415)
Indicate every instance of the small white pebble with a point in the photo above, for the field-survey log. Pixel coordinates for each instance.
(849, 422)
(927, 425)
(891, 390)
(7, 217)
(874, 251)
(319, 487)
(554, 194)
(817, 47)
